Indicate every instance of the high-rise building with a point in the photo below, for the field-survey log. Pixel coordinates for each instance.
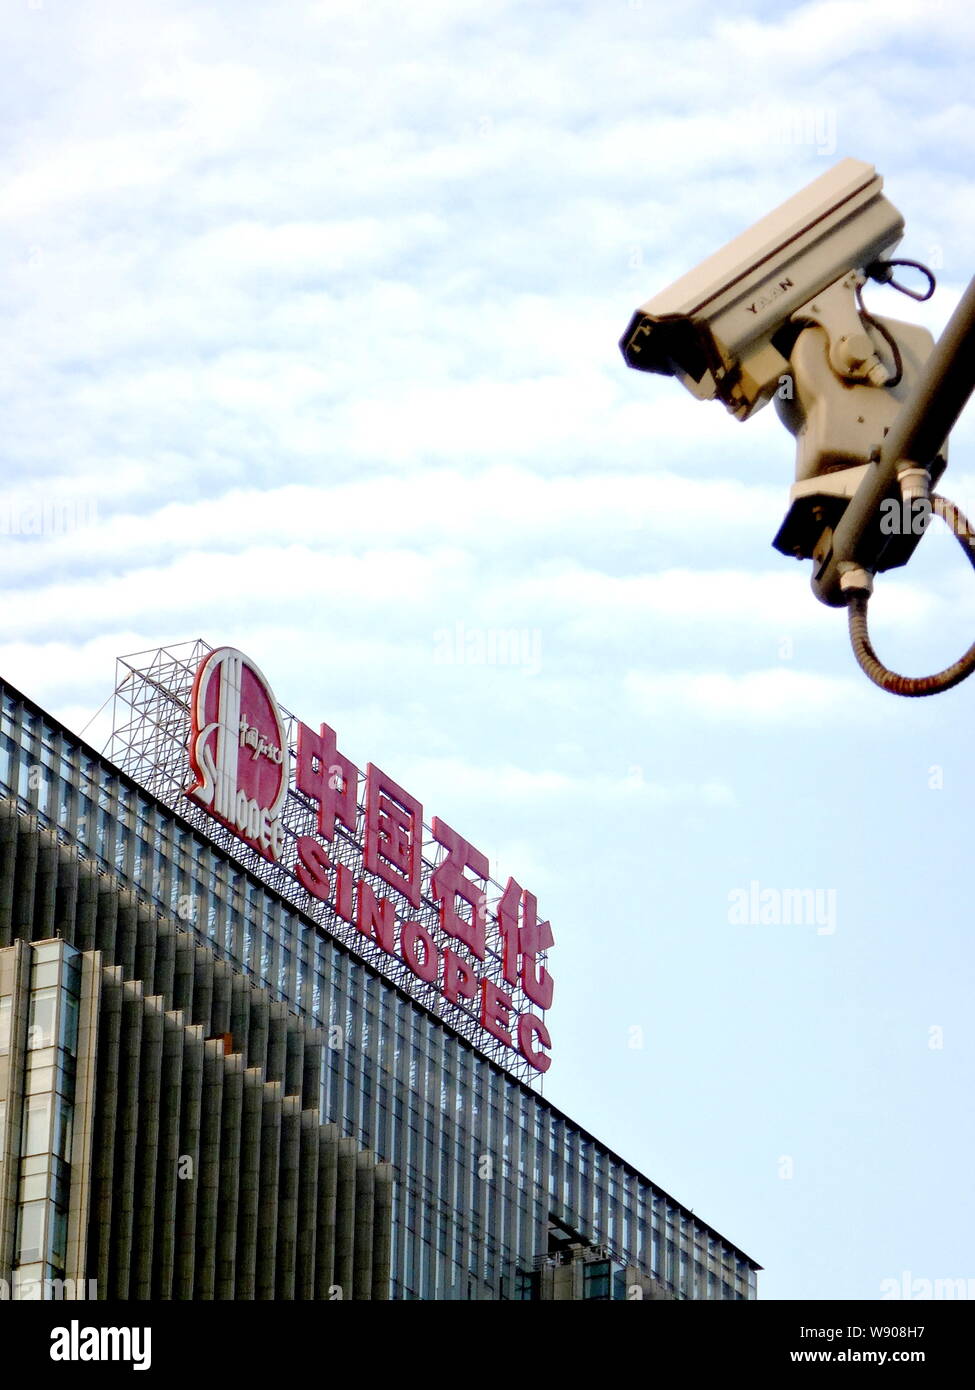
(264, 1033)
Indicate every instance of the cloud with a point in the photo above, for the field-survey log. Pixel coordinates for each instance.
(509, 783)
(50, 524)
(765, 697)
(827, 30)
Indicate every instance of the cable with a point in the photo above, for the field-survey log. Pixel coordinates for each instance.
(81, 732)
(863, 650)
(882, 272)
(888, 338)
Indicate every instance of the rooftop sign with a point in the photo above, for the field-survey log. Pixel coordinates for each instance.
(356, 847)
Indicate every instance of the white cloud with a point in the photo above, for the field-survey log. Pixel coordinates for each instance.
(481, 511)
(827, 30)
(774, 696)
(635, 788)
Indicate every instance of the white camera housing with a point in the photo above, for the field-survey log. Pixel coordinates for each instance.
(715, 328)
(839, 426)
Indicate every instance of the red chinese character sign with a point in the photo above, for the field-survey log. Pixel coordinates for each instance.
(366, 864)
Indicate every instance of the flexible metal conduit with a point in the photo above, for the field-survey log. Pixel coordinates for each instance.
(863, 650)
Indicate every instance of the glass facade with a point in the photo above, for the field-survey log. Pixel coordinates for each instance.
(48, 1087)
(482, 1161)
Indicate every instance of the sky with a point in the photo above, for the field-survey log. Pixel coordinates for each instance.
(311, 316)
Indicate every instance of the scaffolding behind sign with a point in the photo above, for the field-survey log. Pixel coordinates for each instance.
(151, 727)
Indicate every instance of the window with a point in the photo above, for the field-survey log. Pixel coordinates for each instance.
(37, 1124)
(7, 749)
(5, 1005)
(122, 841)
(59, 1237)
(43, 1015)
(31, 1232)
(83, 824)
(69, 1040)
(64, 1116)
(595, 1280)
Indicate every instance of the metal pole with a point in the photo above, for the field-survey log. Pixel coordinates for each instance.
(920, 429)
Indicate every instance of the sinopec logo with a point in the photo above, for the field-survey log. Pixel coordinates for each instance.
(238, 750)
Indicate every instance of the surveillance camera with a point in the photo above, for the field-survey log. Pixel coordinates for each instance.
(870, 401)
(719, 328)
(778, 312)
